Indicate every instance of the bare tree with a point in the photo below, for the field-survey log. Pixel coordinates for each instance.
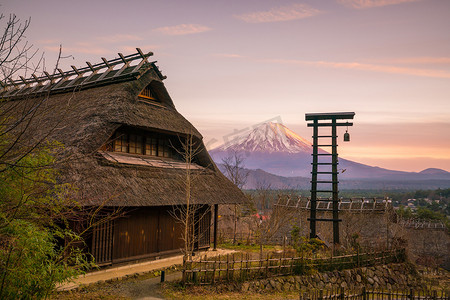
(16, 53)
(234, 170)
(191, 213)
(34, 209)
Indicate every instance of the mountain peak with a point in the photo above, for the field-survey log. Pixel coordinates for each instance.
(269, 137)
(433, 171)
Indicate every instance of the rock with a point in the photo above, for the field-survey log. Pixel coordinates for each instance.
(278, 286)
(370, 280)
(272, 283)
(358, 278)
(344, 284)
(264, 282)
(245, 286)
(325, 278)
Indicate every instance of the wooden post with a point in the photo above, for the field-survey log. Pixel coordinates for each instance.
(216, 216)
(357, 255)
(183, 276)
(214, 272)
(364, 294)
(194, 277)
(267, 266)
(411, 294)
(342, 294)
(279, 268)
(218, 275)
(228, 267)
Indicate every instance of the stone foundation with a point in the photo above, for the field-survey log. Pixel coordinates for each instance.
(393, 276)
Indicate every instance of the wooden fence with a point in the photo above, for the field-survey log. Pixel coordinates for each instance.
(364, 294)
(241, 267)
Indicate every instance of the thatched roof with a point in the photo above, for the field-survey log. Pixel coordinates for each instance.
(84, 117)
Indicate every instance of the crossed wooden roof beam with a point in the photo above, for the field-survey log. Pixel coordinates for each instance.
(62, 81)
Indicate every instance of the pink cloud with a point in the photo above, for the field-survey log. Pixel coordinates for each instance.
(85, 49)
(229, 55)
(362, 4)
(118, 38)
(280, 14)
(182, 29)
(369, 67)
(144, 48)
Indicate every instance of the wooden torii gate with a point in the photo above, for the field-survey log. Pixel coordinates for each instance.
(326, 120)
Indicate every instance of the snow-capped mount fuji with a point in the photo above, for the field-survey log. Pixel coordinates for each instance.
(269, 138)
(276, 149)
(271, 147)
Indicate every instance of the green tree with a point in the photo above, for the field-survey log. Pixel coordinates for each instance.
(36, 245)
(34, 212)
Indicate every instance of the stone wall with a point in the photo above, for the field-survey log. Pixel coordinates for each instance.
(392, 276)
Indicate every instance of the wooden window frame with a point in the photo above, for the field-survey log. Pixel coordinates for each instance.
(150, 94)
(159, 143)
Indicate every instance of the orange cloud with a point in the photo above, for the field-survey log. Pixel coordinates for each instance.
(362, 4)
(280, 14)
(182, 29)
(421, 60)
(369, 67)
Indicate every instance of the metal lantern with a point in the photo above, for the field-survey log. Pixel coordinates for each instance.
(346, 136)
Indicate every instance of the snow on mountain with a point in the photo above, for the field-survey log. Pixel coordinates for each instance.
(269, 137)
(276, 149)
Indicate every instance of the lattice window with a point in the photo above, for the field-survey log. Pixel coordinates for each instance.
(121, 142)
(140, 142)
(148, 93)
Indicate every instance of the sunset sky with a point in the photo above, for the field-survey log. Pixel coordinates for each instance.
(233, 64)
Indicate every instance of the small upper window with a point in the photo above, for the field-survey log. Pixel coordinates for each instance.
(141, 142)
(148, 93)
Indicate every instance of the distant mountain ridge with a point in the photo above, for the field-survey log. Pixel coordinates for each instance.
(274, 148)
(260, 179)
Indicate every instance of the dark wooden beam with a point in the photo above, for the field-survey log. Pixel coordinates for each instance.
(330, 124)
(329, 116)
(216, 216)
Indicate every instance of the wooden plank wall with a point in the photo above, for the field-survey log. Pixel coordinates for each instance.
(144, 232)
(102, 242)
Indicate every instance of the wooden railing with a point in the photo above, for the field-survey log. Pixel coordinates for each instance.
(241, 267)
(364, 294)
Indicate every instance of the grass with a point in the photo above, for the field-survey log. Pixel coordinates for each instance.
(242, 247)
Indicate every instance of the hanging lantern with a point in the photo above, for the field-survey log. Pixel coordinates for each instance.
(346, 136)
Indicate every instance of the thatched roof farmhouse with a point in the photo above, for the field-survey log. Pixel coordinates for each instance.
(122, 138)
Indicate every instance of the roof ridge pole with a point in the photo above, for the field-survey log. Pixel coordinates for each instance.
(64, 78)
(143, 61)
(126, 64)
(94, 71)
(110, 68)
